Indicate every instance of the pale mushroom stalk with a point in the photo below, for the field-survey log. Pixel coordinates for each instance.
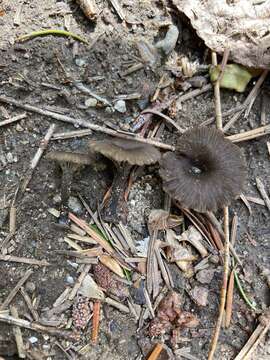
(69, 163)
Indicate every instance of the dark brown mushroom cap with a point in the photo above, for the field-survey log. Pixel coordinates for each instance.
(69, 157)
(131, 151)
(205, 172)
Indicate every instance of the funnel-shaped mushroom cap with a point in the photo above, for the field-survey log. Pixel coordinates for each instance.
(69, 157)
(131, 151)
(206, 172)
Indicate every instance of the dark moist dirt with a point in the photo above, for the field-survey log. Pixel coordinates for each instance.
(53, 60)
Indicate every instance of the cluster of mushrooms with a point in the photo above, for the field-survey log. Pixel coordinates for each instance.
(204, 173)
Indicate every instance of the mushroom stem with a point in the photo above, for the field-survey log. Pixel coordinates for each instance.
(66, 181)
(116, 210)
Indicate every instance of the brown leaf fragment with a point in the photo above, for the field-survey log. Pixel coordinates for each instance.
(240, 26)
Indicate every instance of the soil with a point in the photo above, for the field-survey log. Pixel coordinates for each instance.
(40, 72)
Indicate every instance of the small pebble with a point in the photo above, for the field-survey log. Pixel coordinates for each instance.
(33, 339)
(30, 287)
(80, 62)
(120, 106)
(70, 279)
(75, 205)
(57, 199)
(91, 102)
(205, 276)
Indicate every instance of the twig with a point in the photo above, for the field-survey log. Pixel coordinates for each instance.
(18, 334)
(83, 123)
(24, 260)
(165, 117)
(156, 352)
(71, 134)
(229, 301)
(224, 285)
(79, 282)
(37, 327)
(14, 291)
(87, 91)
(12, 220)
(37, 157)
(118, 8)
(255, 338)
(12, 120)
(117, 305)
(217, 95)
(224, 114)
(96, 319)
(251, 134)
(247, 101)
(263, 192)
(29, 304)
(194, 93)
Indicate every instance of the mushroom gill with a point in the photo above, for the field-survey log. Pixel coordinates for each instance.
(206, 172)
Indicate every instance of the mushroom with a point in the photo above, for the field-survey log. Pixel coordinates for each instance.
(124, 154)
(69, 162)
(206, 172)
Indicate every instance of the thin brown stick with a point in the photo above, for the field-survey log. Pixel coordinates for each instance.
(156, 352)
(229, 301)
(14, 291)
(23, 260)
(217, 95)
(247, 101)
(71, 134)
(12, 220)
(193, 93)
(37, 327)
(12, 120)
(82, 123)
(96, 320)
(165, 117)
(28, 301)
(224, 285)
(255, 337)
(263, 192)
(251, 134)
(78, 283)
(18, 334)
(37, 157)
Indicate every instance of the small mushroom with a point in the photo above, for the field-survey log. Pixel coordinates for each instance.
(124, 154)
(206, 172)
(69, 162)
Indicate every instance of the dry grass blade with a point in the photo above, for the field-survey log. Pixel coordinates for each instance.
(93, 234)
(224, 285)
(96, 320)
(18, 334)
(217, 94)
(256, 337)
(156, 352)
(23, 260)
(249, 135)
(112, 264)
(229, 300)
(37, 327)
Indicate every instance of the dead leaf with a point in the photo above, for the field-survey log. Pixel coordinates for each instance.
(240, 26)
